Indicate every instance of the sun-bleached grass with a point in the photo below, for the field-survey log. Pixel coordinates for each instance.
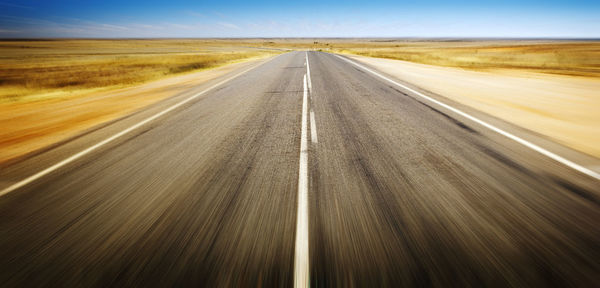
(578, 58)
(53, 89)
(51, 69)
(33, 70)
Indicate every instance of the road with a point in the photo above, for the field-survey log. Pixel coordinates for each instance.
(234, 186)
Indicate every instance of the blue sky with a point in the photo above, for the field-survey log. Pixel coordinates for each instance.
(178, 18)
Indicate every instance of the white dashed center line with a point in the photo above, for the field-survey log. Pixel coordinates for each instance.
(301, 265)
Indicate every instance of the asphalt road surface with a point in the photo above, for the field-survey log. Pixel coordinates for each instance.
(234, 186)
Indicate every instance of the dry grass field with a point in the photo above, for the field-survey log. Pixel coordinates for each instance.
(42, 69)
(51, 90)
(45, 79)
(35, 70)
(578, 58)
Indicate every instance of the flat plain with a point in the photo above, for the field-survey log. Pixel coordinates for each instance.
(54, 68)
(52, 90)
(563, 57)
(40, 76)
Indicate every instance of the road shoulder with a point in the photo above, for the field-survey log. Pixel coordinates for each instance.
(539, 129)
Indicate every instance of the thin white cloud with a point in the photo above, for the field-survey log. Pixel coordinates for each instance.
(209, 25)
(111, 27)
(14, 5)
(180, 26)
(145, 26)
(228, 25)
(196, 14)
(25, 20)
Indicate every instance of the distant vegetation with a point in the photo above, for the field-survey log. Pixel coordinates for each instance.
(580, 58)
(31, 70)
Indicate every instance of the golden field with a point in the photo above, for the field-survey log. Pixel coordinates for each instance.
(41, 69)
(550, 87)
(578, 58)
(52, 90)
(34, 70)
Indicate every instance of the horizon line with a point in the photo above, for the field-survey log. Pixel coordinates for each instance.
(446, 38)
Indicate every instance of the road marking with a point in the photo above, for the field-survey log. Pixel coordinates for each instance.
(301, 278)
(313, 128)
(308, 73)
(109, 139)
(524, 142)
(313, 125)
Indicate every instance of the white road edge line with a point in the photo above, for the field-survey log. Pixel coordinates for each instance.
(313, 128)
(109, 139)
(301, 277)
(526, 143)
